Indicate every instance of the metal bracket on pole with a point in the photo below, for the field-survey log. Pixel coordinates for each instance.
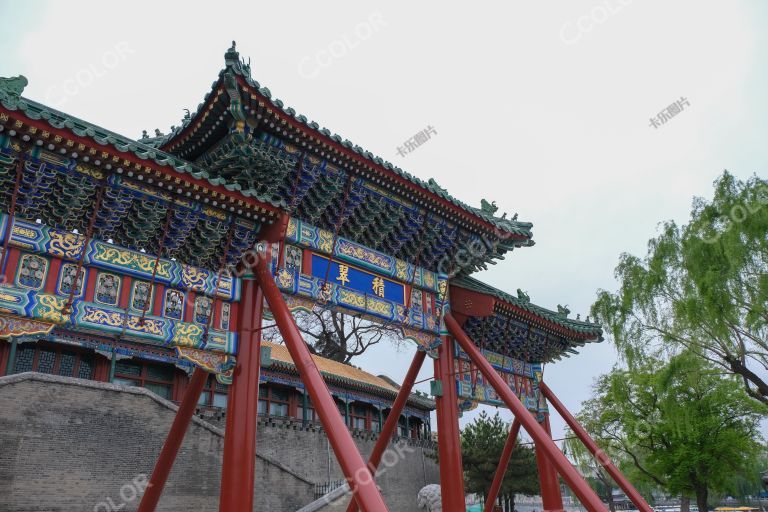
(436, 387)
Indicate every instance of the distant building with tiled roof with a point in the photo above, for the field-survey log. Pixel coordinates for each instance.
(363, 398)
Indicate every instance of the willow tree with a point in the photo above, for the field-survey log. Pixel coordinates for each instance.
(685, 427)
(702, 286)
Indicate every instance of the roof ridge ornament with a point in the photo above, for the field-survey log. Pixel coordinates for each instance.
(13, 86)
(563, 311)
(232, 56)
(489, 208)
(435, 186)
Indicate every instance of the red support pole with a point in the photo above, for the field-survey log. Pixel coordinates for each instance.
(552, 499)
(586, 495)
(448, 439)
(173, 442)
(394, 415)
(506, 455)
(352, 464)
(239, 464)
(595, 450)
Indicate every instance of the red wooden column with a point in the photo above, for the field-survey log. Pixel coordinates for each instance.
(448, 440)
(595, 450)
(239, 465)
(552, 499)
(173, 442)
(549, 449)
(352, 464)
(506, 455)
(394, 415)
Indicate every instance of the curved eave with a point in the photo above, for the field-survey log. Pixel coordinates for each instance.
(42, 118)
(498, 301)
(520, 232)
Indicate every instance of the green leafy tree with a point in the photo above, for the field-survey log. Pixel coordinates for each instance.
(684, 426)
(481, 445)
(702, 286)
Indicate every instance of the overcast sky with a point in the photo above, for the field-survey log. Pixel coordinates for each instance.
(544, 107)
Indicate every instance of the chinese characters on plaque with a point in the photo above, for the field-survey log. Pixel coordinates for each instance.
(356, 279)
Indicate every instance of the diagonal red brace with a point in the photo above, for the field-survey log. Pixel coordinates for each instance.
(173, 441)
(352, 464)
(394, 415)
(595, 450)
(506, 455)
(575, 481)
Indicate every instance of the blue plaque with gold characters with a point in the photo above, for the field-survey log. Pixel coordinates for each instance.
(359, 280)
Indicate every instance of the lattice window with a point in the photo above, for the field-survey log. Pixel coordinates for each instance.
(311, 414)
(53, 360)
(273, 400)
(141, 298)
(174, 304)
(32, 271)
(46, 361)
(226, 312)
(203, 307)
(107, 289)
(402, 430)
(67, 280)
(85, 371)
(128, 368)
(67, 364)
(154, 377)
(25, 358)
(357, 416)
(162, 373)
(214, 394)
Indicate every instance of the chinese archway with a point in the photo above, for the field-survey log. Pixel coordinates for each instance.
(187, 240)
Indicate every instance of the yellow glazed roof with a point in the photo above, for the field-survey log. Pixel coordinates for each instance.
(335, 368)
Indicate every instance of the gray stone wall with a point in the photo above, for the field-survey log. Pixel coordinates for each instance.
(73, 445)
(406, 466)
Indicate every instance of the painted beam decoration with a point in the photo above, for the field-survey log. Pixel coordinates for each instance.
(39, 307)
(41, 239)
(25, 310)
(523, 378)
(351, 252)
